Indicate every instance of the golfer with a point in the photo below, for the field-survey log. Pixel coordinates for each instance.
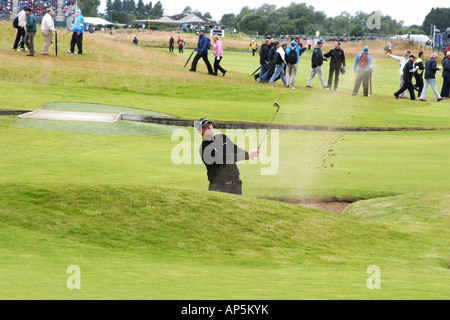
(220, 154)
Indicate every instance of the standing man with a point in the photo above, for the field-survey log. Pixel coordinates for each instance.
(430, 78)
(446, 75)
(77, 33)
(418, 75)
(171, 44)
(293, 54)
(264, 59)
(408, 72)
(220, 154)
(316, 64)
(48, 27)
(21, 30)
(280, 62)
(253, 46)
(31, 32)
(402, 61)
(202, 52)
(180, 45)
(363, 69)
(337, 61)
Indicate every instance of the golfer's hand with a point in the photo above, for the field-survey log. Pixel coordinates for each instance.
(253, 154)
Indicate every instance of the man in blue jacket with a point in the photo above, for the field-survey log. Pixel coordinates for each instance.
(202, 52)
(363, 69)
(77, 33)
(293, 54)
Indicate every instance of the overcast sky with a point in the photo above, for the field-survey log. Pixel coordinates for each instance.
(409, 12)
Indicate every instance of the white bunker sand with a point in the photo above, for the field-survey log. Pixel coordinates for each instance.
(41, 114)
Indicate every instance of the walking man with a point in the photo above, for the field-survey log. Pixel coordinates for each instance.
(446, 75)
(264, 58)
(280, 62)
(220, 154)
(77, 33)
(363, 69)
(402, 61)
(180, 45)
(293, 54)
(316, 65)
(418, 75)
(48, 27)
(337, 61)
(31, 32)
(202, 52)
(430, 78)
(408, 72)
(21, 30)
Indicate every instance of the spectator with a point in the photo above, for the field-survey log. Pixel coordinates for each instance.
(408, 72)
(47, 28)
(180, 45)
(271, 68)
(402, 61)
(31, 32)
(202, 52)
(77, 33)
(264, 59)
(171, 44)
(293, 54)
(316, 65)
(135, 40)
(430, 78)
(21, 30)
(218, 55)
(253, 47)
(309, 43)
(446, 75)
(279, 62)
(337, 61)
(363, 69)
(418, 75)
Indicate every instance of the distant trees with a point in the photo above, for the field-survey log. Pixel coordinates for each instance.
(123, 11)
(440, 17)
(300, 18)
(89, 7)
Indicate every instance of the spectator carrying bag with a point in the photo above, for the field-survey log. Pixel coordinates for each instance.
(16, 22)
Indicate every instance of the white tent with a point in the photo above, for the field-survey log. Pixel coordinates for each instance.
(97, 22)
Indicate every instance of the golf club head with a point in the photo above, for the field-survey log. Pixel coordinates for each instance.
(276, 105)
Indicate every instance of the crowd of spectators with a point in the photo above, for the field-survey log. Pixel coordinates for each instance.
(39, 7)
(5, 8)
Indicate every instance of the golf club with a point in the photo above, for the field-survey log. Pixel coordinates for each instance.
(188, 59)
(56, 43)
(276, 105)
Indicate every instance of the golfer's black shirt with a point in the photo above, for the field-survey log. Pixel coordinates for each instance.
(220, 157)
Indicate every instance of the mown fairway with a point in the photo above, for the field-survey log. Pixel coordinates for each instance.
(139, 226)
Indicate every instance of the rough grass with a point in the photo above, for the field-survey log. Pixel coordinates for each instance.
(164, 243)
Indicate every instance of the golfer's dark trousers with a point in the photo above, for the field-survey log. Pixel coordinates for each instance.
(419, 83)
(171, 48)
(362, 77)
(335, 72)
(20, 35)
(78, 40)
(407, 85)
(217, 65)
(205, 58)
(180, 49)
(234, 187)
(445, 87)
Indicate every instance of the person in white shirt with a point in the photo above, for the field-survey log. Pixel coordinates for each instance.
(403, 60)
(21, 31)
(48, 27)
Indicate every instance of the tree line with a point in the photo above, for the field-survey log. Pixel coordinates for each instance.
(300, 18)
